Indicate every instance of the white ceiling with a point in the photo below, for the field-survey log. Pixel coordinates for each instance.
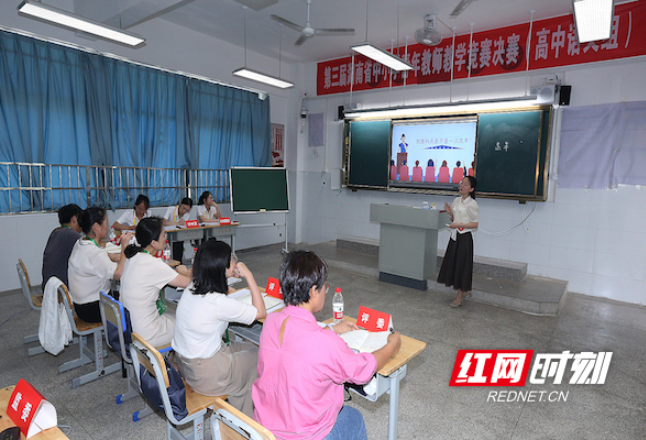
(223, 20)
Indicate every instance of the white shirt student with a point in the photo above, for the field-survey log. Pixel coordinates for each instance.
(178, 215)
(207, 210)
(130, 219)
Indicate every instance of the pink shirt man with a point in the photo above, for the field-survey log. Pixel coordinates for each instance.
(299, 391)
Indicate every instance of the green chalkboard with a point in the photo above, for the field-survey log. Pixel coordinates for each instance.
(368, 153)
(511, 153)
(259, 189)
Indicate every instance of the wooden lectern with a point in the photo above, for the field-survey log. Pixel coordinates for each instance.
(407, 243)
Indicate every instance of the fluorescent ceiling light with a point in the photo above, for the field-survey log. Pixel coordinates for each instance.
(263, 78)
(593, 19)
(76, 22)
(381, 56)
(446, 108)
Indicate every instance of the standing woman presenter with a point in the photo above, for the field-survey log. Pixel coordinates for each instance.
(457, 265)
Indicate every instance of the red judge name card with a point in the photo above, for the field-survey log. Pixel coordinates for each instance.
(273, 288)
(29, 410)
(192, 224)
(373, 320)
(225, 220)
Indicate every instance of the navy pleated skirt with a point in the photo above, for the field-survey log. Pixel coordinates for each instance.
(457, 265)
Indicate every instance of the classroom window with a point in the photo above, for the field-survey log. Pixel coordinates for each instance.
(26, 187)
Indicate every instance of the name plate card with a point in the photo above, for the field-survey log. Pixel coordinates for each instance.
(225, 220)
(373, 320)
(29, 410)
(273, 288)
(192, 224)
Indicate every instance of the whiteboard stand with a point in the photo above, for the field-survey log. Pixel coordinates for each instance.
(286, 250)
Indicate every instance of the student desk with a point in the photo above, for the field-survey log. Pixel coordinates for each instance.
(388, 377)
(391, 374)
(6, 422)
(203, 232)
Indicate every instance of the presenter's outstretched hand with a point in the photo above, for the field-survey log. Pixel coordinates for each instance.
(447, 207)
(344, 326)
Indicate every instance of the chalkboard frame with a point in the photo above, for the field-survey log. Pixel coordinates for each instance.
(541, 172)
(233, 171)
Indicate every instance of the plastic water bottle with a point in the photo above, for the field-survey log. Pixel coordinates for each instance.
(193, 257)
(337, 306)
(166, 254)
(425, 205)
(112, 236)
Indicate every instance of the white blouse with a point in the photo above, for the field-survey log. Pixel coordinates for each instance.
(202, 320)
(466, 211)
(129, 218)
(211, 214)
(89, 271)
(172, 215)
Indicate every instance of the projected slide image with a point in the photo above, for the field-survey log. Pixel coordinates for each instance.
(432, 152)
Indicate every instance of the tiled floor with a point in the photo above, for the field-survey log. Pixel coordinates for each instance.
(429, 408)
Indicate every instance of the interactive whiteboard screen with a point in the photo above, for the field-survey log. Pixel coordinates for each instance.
(432, 153)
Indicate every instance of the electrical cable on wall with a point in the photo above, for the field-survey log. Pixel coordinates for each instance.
(523, 222)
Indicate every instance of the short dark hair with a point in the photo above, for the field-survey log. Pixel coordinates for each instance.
(430, 163)
(209, 269)
(205, 195)
(143, 199)
(186, 201)
(148, 229)
(299, 272)
(67, 212)
(91, 216)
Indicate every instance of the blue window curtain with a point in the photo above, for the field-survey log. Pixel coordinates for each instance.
(60, 105)
(230, 127)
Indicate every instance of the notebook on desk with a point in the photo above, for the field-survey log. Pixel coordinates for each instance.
(271, 303)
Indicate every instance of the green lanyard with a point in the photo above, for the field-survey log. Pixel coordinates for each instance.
(92, 240)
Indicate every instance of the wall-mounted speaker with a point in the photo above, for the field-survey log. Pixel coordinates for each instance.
(544, 94)
(340, 116)
(564, 95)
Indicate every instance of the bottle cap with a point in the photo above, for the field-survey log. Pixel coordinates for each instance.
(338, 289)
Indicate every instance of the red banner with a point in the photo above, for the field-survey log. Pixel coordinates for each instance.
(553, 43)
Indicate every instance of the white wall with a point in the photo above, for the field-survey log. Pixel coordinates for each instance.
(171, 47)
(592, 238)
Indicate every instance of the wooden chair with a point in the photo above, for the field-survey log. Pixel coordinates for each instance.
(144, 354)
(34, 297)
(228, 423)
(113, 314)
(83, 329)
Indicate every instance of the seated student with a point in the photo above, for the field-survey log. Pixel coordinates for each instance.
(207, 210)
(91, 269)
(177, 215)
(203, 314)
(60, 244)
(302, 367)
(129, 219)
(143, 278)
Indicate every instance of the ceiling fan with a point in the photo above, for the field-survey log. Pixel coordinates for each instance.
(461, 7)
(308, 31)
(429, 35)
